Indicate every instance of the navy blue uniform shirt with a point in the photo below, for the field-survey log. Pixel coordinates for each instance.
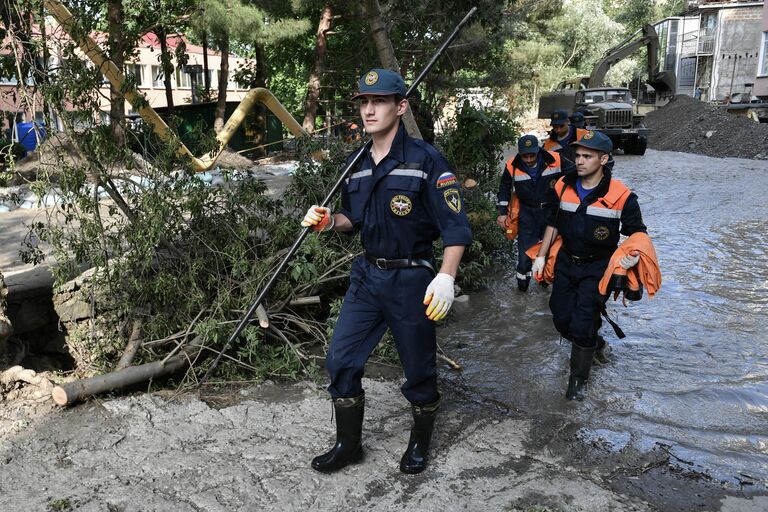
(586, 234)
(534, 191)
(407, 201)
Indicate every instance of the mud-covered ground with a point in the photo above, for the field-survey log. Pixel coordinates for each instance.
(691, 126)
(510, 444)
(249, 449)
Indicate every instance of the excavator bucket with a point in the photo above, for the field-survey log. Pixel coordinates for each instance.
(664, 83)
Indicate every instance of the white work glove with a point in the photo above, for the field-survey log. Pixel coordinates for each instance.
(439, 296)
(319, 218)
(538, 267)
(629, 261)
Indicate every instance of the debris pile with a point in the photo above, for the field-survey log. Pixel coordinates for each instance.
(690, 126)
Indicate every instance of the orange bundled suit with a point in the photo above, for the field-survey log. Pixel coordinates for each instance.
(548, 274)
(631, 282)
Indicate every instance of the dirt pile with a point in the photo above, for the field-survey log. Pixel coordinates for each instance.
(690, 126)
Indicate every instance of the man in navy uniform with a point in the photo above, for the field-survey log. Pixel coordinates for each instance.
(400, 198)
(577, 119)
(531, 176)
(592, 212)
(560, 138)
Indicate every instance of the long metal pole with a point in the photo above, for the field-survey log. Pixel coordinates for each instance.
(292, 251)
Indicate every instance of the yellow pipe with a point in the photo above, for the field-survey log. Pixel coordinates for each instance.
(117, 79)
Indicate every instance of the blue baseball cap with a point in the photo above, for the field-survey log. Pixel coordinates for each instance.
(527, 144)
(595, 140)
(380, 82)
(577, 117)
(559, 117)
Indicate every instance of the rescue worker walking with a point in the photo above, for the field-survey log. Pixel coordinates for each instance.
(560, 138)
(577, 120)
(531, 176)
(593, 211)
(401, 198)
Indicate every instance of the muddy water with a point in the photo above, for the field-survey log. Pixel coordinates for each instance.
(692, 372)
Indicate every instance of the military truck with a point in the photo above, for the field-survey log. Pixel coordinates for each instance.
(610, 109)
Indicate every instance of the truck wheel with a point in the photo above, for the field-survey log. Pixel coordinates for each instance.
(636, 147)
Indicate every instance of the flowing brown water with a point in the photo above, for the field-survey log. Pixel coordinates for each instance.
(692, 372)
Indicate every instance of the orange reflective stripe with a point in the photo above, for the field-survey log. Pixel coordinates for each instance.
(608, 206)
(510, 168)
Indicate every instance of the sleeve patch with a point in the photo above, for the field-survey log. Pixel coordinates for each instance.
(445, 180)
(453, 199)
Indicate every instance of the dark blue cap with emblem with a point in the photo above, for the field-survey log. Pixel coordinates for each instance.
(595, 140)
(577, 117)
(527, 144)
(380, 82)
(559, 117)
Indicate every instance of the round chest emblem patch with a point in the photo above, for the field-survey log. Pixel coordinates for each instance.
(401, 205)
(588, 135)
(371, 78)
(601, 232)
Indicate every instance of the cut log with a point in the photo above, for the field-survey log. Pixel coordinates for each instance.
(305, 301)
(261, 314)
(78, 390)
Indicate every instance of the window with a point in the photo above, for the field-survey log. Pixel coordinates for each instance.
(157, 76)
(182, 79)
(136, 71)
(763, 69)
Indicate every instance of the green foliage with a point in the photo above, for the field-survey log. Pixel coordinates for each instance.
(474, 144)
(59, 505)
(474, 141)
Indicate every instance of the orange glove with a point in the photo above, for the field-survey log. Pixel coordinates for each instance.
(319, 218)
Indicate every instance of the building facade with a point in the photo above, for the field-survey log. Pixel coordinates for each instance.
(18, 107)
(715, 49)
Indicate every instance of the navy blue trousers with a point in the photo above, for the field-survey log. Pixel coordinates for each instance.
(531, 226)
(378, 299)
(575, 301)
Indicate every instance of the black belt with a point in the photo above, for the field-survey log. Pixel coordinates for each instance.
(539, 206)
(582, 260)
(386, 264)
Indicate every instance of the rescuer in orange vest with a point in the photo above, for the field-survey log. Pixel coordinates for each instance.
(530, 176)
(561, 136)
(593, 211)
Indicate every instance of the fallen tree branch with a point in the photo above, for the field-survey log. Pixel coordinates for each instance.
(441, 355)
(303, 301)
(134, 343)
(78, 390)
(261, 314)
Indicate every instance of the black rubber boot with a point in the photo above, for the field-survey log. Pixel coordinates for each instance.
(416, 455)
(522, 284)
(603, 353)
(349, 427)
(581, 362)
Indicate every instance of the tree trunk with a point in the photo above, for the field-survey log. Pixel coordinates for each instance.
(313, 92)
(221, 102)
(165, 62)
(206, 74)
(387, 55)
(117, 47)
(72, 392)
(259, 110)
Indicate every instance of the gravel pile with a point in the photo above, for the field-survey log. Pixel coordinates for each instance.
(690, 126)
